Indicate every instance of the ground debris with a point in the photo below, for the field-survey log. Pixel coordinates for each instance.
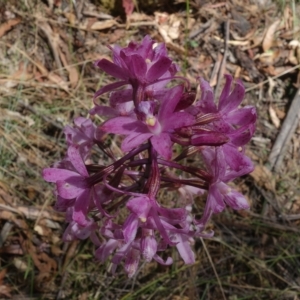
(48, 77)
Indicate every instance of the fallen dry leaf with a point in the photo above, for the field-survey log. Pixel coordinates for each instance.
(20, 264)
(5, 27)
(294, 53)
(269, 36)
(59, 81)
(42, 261)
(280, 113)
(73, 73)
(71, 18)
(51, 76)
(89, 24)
(101, 25)
(139, 17)
(168, 26)
(42, 230)
(274, 118)
(263, 177)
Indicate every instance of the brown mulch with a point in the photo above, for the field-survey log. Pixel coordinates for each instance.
(47, 50)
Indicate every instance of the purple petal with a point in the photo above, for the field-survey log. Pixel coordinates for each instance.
(233, 198)
(225, 92)
(184, 249)
(136, 65)
(120, 96)
(240, 138)
(173, 215)
(68, 235)
(76, 160)
(148, 247)
(159, 68)
(105, 111)
(124, 125)
(215, 199)
(116, 50)
(125, 109)
(145, 49)
(169, 103)
(206, 103)
(109, 87)
(130, 228)
(83, 233)
(62, 204)
(134, 140)
(120, 254)
(112, 69)
(87, 126)
(235, 159)
(139, 67)
(163, 145)
(200, 224)
(81, 208)
(156, 91)
(220, 163)
(178, 120)
(234, 99)
(139, 206)
(160, 50)
(159, 226)
(132, 262)
(242, 116)
(79, 121)
(98, 199)
(186, 100)
(54, 174)
(68, 191)
(106, 249)
(168, 262)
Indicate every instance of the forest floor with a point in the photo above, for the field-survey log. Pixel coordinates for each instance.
(47, 77)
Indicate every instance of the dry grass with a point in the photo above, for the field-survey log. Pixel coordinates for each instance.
(254, 255)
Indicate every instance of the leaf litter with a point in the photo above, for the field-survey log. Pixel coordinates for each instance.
(47, 77)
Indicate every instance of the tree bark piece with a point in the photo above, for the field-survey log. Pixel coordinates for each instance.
(288, 128)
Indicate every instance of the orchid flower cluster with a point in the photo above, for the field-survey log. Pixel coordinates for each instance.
(121, 206)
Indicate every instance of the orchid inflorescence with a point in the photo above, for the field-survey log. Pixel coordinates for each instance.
(121, 206)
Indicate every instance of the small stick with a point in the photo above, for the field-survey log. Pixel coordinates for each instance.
(284, 137)
(223, 63)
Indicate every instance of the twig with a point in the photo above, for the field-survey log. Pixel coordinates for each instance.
(290, 217)
(46, 119)
(222, 68)
(213, 267)
(98, 15)
(288, 127)
(201, 29)
(275, 77)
